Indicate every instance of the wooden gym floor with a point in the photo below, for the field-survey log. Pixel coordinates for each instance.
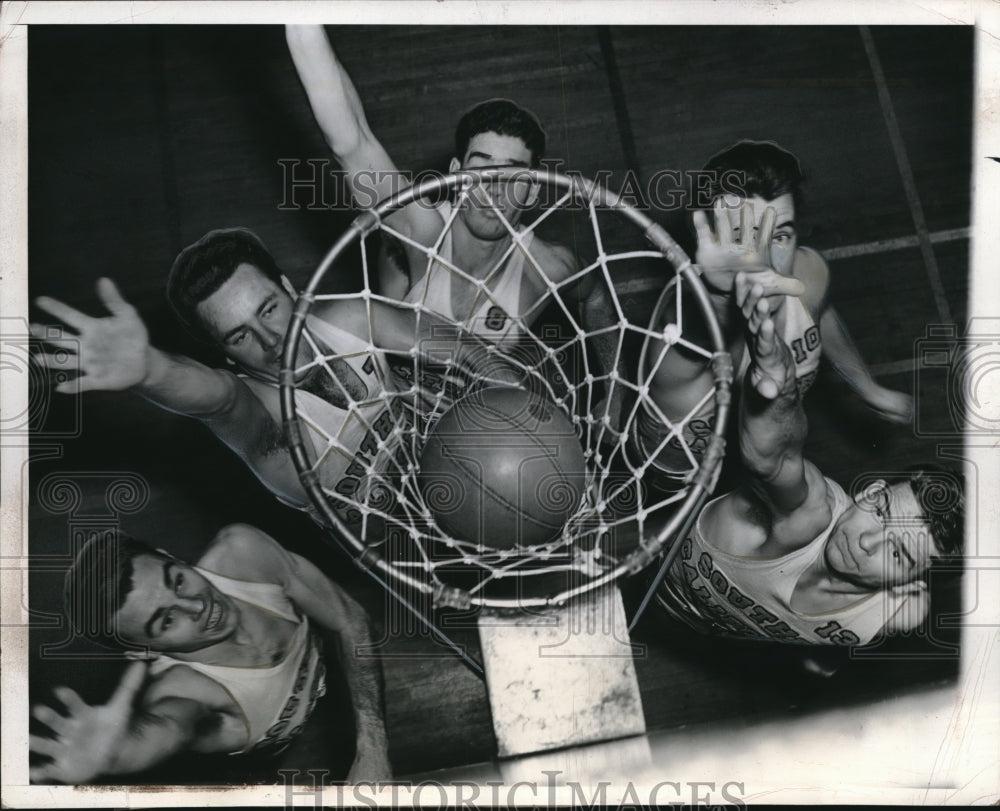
(143, 138)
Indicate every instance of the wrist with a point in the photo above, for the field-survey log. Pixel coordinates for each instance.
(155, 370)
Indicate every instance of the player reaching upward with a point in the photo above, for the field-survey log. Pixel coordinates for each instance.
(756, 185)
(237, 665)
(770, 176)
(507, 273)
(788, 555)
(228, 288)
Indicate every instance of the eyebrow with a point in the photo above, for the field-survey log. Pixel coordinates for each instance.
(148, 627)
(486, 156)
(909, 557)
(900, 545)
(238, 329)
(790, 224)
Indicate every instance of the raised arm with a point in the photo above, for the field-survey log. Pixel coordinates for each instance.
(114, 354)
(113, 738)
(337, 107)
(330, 607)
(680, 377)
(398, 329)
(772, 423)
(335, 103)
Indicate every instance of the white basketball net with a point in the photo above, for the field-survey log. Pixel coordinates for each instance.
(371, 499)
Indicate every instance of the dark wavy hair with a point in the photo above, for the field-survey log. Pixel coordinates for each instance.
(940, 493)
(503, 117)
(204, 266)
(98, 582)
(759, 169)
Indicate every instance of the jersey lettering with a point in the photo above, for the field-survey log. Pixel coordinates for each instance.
(807, 343)
(738, 598)
(495, 318)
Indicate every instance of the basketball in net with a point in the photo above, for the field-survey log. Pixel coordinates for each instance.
(503, 468)
(506, 470)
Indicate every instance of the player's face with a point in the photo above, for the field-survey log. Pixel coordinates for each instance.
(493, 149)
(783, 240)
(248, 317)
(882, 540)
(173, 608)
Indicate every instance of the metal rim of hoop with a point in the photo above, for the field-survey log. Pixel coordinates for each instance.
(593, 195)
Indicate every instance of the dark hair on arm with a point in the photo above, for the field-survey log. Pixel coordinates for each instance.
(204, 266)
(98, 582)
(503, 117)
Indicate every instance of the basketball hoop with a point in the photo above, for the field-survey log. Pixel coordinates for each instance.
(620, 526)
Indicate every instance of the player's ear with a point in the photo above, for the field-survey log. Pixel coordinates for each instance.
(871, 491)
(913, 587)
(454, 165)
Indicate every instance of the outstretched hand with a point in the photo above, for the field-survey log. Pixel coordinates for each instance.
(112, 352)
(721, 253)
(771, 367)
(88, 738)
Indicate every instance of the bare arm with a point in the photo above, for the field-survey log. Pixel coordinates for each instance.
(114, 354)
(337, 107)
(401, 330)
(772, 423)
(113, 738)
(840, 350)
(335, 103)
(679, 378)
(330, 607)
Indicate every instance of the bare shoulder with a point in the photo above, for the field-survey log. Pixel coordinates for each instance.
(736, 523)
(187, 684)
(267, 393)
(419, 222)
(245, 552)
(812, 270)
(556, 260)
(800, 527)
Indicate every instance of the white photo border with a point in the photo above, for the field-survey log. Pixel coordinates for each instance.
(947, 754)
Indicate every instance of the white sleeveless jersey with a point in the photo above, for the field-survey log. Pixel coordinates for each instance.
(717, 592)
(357, 441)
(275, 701)
(496, 307)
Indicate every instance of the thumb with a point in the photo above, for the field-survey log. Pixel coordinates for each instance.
(132, 680)
(111, 298)
(774, 284)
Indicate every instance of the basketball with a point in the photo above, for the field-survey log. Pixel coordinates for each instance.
(503, 468)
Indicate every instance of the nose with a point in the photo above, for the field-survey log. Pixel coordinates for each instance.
(270, 337)
(191, 605)
(270, 340)
(869, 541)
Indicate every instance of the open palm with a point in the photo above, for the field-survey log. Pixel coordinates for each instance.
(722, 253)
(88, 738)
(112, 351)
